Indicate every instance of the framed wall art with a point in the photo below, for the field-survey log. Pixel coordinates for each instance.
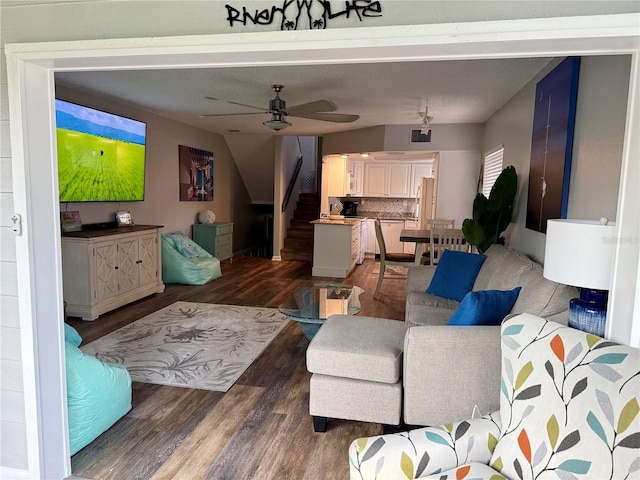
(552, 144)
(196, 174)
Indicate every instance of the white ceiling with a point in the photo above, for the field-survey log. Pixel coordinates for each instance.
(393, 93)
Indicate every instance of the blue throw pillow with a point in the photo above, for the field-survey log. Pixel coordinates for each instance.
(455, 274)
(484, 307)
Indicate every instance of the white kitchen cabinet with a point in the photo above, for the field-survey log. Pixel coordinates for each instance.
(106, 269)
(370, 242)
(387, 180)
(334, 170)
(375, 180)
(399, 180)
(336, 247)
(356, 178)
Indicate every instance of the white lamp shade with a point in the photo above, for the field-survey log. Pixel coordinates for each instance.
(580, 253)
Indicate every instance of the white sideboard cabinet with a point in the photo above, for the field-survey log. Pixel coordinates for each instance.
(108, 268)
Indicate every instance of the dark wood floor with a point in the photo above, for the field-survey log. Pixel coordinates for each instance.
(260, 428)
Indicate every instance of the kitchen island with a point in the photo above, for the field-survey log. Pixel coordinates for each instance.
(336, 246)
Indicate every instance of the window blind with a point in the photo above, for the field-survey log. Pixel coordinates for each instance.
(492, 169)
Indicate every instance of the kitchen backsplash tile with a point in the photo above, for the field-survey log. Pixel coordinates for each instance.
(374, 207)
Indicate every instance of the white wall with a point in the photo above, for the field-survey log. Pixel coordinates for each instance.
(96, 20)
(254, 157)
(457, 184)
(359, 140)
(597, 149)
(464, 136)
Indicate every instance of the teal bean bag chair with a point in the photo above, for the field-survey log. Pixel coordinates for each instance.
(186, 262)
(98, 393)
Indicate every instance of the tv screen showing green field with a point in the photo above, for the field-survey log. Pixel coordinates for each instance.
(101, 156)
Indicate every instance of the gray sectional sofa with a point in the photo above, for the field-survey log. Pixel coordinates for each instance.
(447, 370)
(424, 371)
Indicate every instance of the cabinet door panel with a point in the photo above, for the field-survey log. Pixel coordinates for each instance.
(399, 180)
(105, 255)
(148, 258)
(335, 168)
(128, 276)
(358, 179)
(375, 180)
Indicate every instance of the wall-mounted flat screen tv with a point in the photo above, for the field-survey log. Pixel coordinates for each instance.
(101, 156)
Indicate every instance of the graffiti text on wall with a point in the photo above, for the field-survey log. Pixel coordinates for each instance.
(300, 14)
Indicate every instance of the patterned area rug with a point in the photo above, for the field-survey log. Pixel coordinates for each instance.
(194, 345)
(391, 271)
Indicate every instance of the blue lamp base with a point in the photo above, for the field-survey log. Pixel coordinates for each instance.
(588, 313)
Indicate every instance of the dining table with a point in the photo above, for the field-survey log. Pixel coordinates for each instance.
(419, 237)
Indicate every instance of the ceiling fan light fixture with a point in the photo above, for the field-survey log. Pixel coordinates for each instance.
(276, 122)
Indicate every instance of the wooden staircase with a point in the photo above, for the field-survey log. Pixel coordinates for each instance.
(298, 244)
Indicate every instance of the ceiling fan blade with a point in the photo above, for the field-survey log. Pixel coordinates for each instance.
(230, 114)
(312, 107)
(234, 103)
(327, 117)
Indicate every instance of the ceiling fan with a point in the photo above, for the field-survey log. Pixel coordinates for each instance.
(426, 119)
(278, 110)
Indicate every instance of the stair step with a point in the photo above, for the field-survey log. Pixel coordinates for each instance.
(299, 243)
(300, 224)
(298, 233)
(290, 254)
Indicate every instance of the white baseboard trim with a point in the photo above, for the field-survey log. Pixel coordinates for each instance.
(8, 473)
(276, 258)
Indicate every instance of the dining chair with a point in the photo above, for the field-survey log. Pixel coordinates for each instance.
(430, 224)
(389, 258)
(446, 239)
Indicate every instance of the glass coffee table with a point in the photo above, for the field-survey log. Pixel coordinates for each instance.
(311, 305)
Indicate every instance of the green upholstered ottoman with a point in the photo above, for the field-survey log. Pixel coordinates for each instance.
(356, 364)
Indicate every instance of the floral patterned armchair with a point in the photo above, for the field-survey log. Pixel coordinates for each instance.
(569, 409)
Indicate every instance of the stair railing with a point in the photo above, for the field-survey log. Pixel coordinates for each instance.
(294, 179)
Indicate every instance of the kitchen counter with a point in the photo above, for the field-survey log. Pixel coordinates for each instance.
(344, 221)
(336, 251)
(389, 215)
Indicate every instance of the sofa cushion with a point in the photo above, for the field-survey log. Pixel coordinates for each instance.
(435, 301)
(421, 312)
(485, 307)
(455, 274)
(363, 348)
(568, 404)
(540, 296)
(502, 269)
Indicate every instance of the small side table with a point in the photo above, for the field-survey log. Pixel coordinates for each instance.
(312, 305)
(215, 238)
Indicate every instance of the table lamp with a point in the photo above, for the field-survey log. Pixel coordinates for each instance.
(580, 253)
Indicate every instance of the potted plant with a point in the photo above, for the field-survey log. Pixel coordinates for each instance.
(492, 216)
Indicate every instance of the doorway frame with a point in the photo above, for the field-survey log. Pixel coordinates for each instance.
(30, 72)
